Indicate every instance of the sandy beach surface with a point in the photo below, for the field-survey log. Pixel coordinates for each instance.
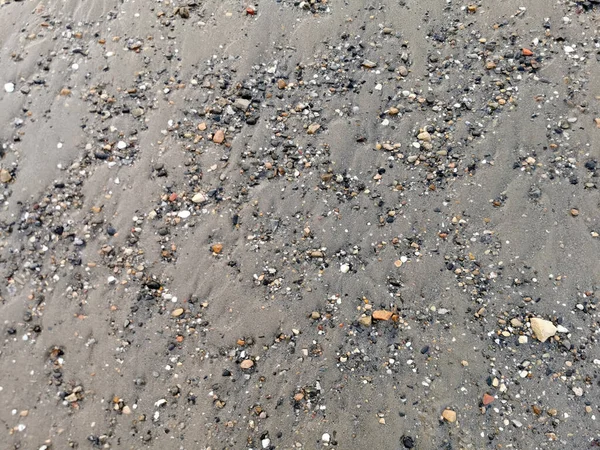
(299, 224)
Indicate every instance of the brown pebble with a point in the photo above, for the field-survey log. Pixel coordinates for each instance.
(382, 314)
(202, 126)
(64, 92)
(281, 84)
(216, 248)
(219, 137)
(449, 415)
(247, 364)
(574, 212)
(177, 312)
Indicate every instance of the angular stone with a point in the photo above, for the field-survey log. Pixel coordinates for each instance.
(382, 314)
(449, 415)
(219, 137)
(365, 320)
(543, 329)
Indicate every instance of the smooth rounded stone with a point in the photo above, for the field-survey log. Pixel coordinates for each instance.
(177, 312)
(121, 145)
(543, 329)
(424, 136)
(325, 438)
(9, 87)
(246, 364)
(199, 198)
(403, 71)
(184, 214)
(345, 268)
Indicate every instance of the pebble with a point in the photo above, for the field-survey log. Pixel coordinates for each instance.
(345, 268)
(449, 415)
(365, 320)
(219, 137)
(9, 87)
(177, 312)
(542, 328)
(199, 198)
(247, 364)
(382, 315)
(313, 128)
(5, 176)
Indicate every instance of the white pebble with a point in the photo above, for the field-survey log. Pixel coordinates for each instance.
(9, 87)
(325, 437)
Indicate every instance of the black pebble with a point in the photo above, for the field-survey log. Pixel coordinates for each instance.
(408, 442)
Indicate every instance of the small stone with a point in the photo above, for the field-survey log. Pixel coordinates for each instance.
(281, 84)
(325, 438)
(574, 212)
(246, 364)
(393, 111)
(315, 315)
(184, 214)
(424, 136)
(312, 128)
(449, 415)
(403, 71)
(65, 92)
(345, 268)
(219, 137)
(490, 65)
(241, 104)
(543, 329)
(137, 112)
(299, 396)
(487, 399)
(523, 339)
(365, 320)
(72, 398)
(597, 120)
(9, 87)
(177, 312)
(199, 198)
(202, 126)
(369, 64)
(526, 52)
(126, 410)
(5, 176)
(382, 314)
(216, 248)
